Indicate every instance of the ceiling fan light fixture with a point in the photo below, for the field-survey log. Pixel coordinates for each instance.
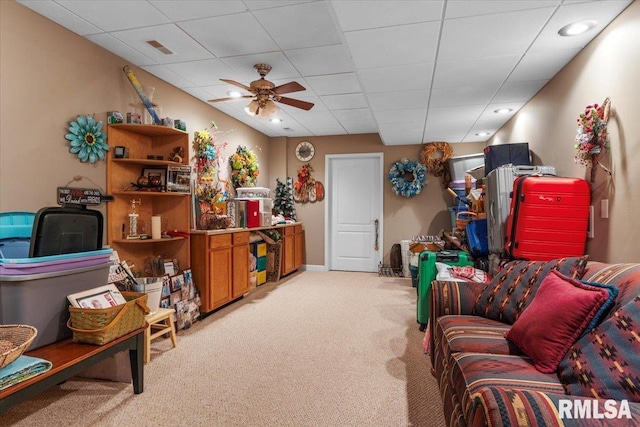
(577, 28)
(252, 108)
(269, 109)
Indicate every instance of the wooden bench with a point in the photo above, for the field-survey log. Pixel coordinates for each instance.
(70, 359)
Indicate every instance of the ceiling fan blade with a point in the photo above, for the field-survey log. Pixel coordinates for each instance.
(288, 88)
(231, 98)
(295, 103)
(235, 83)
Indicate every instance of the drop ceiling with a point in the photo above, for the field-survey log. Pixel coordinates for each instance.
(413, 71)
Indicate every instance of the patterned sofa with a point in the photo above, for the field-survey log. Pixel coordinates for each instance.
(570, 360)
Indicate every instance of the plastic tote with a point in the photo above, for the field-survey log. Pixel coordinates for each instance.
(152, 286)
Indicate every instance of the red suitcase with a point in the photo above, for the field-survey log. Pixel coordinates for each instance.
(548, 217)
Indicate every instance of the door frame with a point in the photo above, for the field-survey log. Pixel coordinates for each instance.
(328, 179)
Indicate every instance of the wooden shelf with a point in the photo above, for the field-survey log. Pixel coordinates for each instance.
(148, 162)
(142, 241)
(150, 193)
(149, 130)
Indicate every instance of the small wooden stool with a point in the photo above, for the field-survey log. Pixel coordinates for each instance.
(160, 323)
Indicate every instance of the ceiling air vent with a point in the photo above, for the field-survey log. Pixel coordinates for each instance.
(157, 45)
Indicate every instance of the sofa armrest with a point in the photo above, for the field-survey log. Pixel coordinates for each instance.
(450, 298)
(502, 407)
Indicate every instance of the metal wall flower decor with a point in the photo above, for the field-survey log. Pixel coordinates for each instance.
(87, 138)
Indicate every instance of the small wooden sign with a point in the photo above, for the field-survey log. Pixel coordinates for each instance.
(81, 196)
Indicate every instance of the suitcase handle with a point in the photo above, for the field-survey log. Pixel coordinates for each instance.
(447, 256)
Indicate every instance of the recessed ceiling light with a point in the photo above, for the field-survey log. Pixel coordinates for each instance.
(503, 110)
(276, 120)
(483, 133)
(577, 28)
(234, 94)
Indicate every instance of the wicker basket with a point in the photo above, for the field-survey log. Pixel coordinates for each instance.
(463, 218)
(14, 340)
(103, 325)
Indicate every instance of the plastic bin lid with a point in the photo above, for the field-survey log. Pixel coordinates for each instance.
(16, 224)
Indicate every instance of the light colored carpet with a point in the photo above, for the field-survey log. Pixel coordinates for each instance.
(316, 349)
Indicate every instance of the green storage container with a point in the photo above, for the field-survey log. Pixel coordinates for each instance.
(262, 263)
(427, 273)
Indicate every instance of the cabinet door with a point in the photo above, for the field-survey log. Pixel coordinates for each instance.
(288, 248)
(220, 276)
(298, 250)
(240, 283)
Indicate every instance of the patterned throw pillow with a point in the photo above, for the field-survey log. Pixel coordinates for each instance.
(605, 362)
(513, 288)
(560, 312)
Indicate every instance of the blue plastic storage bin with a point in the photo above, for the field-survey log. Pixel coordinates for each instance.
(477, 237)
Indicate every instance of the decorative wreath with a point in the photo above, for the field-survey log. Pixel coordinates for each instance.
(438, 166)
(592, 137)
(403, 187)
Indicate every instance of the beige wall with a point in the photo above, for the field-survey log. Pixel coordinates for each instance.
(48, 76)
(424, 214)
(608, 67)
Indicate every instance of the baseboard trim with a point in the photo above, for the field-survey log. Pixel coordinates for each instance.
(308, 267)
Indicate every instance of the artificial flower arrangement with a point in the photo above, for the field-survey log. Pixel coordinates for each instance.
(244, 168)
(207, 151)
(591, 135)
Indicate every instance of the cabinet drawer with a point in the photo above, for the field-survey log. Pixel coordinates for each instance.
(241, 238)
(298, 229)
(219, 241)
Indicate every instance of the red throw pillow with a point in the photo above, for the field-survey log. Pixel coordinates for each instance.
(556, 317)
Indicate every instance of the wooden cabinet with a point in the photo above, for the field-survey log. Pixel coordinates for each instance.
(220, 267)
(292, 248)
(174, 208)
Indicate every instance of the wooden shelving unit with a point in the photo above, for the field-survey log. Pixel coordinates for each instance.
(175, 208)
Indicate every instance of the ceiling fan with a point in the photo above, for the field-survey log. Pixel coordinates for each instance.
(266, 94)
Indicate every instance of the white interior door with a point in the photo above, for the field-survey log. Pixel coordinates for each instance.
(354, 206)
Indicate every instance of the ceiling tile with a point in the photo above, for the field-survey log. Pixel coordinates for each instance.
(334, 84)
(542, 65)
(493, 35)
(116, 46)
(344, 101)
(400, 134)
(601, 11)
(392, 79)
(462, 95)
(450, 124)
(183, 10)
(518, 91)
(203, 73)
(168, 76)
(318, 121)
(230, 35)
(466, 8)
(480, 71)
(268, 4)
(306, 25)
(413, 115)
(353, 114)
(362, 14)
(184, 48)
(359, 126)
(281, 68)
(384, 101)
(62, 16)
(314, 61)
(116, 15)
(402, 45)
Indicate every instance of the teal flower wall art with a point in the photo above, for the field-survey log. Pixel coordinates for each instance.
(87, 138)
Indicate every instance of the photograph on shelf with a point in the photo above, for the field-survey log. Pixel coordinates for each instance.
(179, 179)
(194, 311)
(166, 286)
(182, 315)
(176, 297)
(188, 277)
(157, 178)
(176, 282)
(102, 297)
(184, 292)
(165, 303)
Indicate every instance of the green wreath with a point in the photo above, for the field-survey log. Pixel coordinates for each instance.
(402, 186)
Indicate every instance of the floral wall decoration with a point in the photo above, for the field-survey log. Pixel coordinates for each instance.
(592, 137)
(244, 168)
(306, 189)
(434, 156)
(88, 140)
(407, 177)
(208, 150)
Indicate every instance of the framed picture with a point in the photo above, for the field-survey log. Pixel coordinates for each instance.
(182, 315)
(188, 277)
(176, 297)
(101, 297)
(176, 282)
(166, 286)
(179, 179)
(157, 177)
(165, 303)
(185, 290)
